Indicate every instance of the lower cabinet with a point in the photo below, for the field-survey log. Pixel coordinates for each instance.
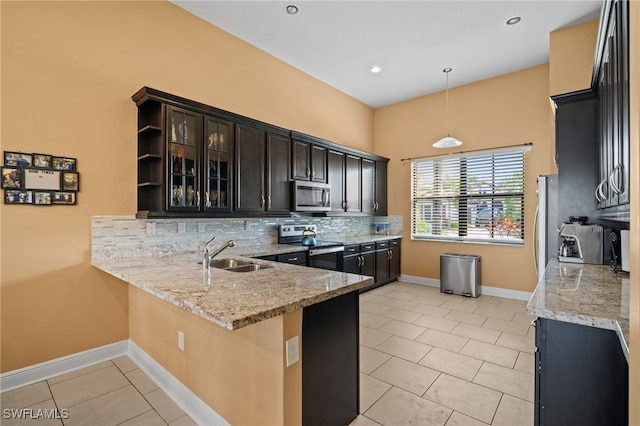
(330, 361)
(581, 375)
(380, 260)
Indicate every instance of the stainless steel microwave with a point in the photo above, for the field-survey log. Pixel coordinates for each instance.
(311, 196)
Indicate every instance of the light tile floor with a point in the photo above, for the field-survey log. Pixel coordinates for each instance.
(113, 392)
(428, 358)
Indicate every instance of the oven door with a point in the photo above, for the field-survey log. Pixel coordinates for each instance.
(330, 258)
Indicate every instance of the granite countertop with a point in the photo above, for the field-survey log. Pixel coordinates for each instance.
(232, 299)
(584, 294)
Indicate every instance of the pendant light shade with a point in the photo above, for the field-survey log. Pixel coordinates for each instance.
(447, 141)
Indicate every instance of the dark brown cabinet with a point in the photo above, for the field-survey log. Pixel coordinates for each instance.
(195, 160)
(387, 261)
(309, 161)
(612, 85)
(262, 171)
(336, 178)
(581, 375)
(353, 184)
(184, 159)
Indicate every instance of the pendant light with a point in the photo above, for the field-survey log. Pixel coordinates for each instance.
(447, 141)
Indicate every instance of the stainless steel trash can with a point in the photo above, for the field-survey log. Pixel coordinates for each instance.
(460, 274)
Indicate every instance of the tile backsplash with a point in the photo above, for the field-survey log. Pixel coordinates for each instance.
(126, 236)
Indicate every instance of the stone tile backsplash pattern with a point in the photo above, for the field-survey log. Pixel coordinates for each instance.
(126, 236)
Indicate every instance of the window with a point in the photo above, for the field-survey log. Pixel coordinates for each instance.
(477, 197)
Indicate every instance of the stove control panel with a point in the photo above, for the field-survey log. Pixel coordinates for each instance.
(295, 230)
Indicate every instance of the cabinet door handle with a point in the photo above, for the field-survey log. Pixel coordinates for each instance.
(597, 193)
(614, 179)
(262, 201)
(390, 255)
(313, 172)
(268, 201)
(198, 198)
(602, 186)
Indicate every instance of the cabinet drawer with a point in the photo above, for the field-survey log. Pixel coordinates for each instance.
(296, 258)
(394, 243)
(352, 249)
(382, 245)
(367, 247)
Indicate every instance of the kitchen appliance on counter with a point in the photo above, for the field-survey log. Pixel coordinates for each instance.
(311, 196)
(581, 243)
(323, 254)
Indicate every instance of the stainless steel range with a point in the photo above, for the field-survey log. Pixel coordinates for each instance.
(322, 254)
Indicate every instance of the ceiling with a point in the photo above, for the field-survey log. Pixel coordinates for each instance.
(337, 42)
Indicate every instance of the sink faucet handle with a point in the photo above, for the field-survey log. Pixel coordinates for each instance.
(206, 245)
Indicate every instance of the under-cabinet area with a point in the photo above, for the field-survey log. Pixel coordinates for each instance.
(196, 160)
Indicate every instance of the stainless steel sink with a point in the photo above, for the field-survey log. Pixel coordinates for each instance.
(247, 268)
(234, 265)
(228, 263)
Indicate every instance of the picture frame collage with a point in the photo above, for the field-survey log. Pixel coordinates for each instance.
(39, 179)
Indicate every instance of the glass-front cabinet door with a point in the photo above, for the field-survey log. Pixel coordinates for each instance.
(218, 149)
(185, 136)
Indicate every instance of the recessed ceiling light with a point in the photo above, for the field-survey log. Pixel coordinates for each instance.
(375, 69)
(514, 20)
(292, 9)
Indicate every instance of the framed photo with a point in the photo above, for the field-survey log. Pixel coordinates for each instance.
(42, 179)
(65, 163)
(70, 181)
(18, 159)
(42, 198)
(42, 161)
(16, 196)
(12, 178)
(64, 197)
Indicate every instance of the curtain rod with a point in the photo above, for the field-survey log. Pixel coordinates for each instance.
(465, 152)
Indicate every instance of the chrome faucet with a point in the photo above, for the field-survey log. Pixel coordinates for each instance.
(206, 256)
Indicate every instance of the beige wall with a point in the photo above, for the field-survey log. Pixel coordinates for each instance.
(506, 110)
(571, 54)
(241, 374)
(68, 72)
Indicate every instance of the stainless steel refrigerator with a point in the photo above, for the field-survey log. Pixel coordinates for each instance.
(546, 225)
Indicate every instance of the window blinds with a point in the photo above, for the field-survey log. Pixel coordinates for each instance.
(476, 196)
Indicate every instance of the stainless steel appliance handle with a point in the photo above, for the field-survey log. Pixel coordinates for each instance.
(325, 250)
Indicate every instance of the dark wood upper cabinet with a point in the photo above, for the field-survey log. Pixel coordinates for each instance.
(336, 178)
(381, 188)
(368, 176)
(262, 171)
(611, 83)
(353, 184)
(195, 160)
(309, 161)
(278, 172)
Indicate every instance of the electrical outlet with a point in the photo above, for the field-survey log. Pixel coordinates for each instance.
(182, 227)
(181, 340)
(292, 349)
(201, 226)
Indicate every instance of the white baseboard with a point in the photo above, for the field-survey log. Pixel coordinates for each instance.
(486, 290)
(45, 370)
(200, 412)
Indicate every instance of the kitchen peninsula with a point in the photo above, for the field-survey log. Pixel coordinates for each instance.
(235, 326)
(582, 335)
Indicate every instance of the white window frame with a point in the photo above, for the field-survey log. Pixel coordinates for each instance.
(447, 207)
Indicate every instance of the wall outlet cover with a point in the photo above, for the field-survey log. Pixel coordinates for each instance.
(292, 349)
